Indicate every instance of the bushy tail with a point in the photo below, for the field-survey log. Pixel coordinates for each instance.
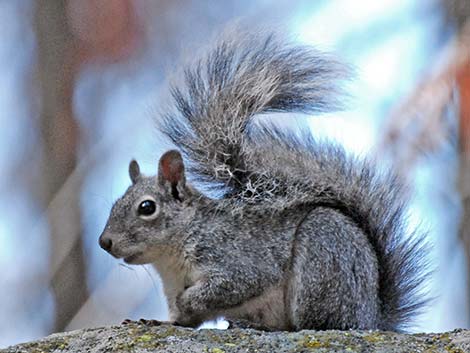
(243, 75)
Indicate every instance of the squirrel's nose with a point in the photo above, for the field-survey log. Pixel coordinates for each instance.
(106, 243)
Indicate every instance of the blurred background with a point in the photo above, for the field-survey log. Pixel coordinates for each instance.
(81, 82)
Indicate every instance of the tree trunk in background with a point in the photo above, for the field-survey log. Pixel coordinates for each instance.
(458, 14)
(60, 134)
(463, 82)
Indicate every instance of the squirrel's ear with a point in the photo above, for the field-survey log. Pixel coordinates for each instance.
(134, 171)
(171, 173)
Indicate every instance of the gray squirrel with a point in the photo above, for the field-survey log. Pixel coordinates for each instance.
(303, 236)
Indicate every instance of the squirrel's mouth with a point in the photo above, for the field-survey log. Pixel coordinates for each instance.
(132, 258)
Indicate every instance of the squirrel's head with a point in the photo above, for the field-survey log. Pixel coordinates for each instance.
(145, 220)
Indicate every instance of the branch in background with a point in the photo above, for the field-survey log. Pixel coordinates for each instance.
(418, 125)
(106, 31)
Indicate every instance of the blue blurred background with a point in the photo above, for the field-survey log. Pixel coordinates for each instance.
(81, 83)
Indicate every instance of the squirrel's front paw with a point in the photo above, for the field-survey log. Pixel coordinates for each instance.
(188, 314)
(151, 322)
(146, 322)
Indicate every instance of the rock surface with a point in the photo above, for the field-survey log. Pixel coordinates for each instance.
(137, 338)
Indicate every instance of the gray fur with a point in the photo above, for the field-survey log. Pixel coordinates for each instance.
(304, 235)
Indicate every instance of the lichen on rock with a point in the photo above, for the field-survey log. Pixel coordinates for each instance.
(136, 337)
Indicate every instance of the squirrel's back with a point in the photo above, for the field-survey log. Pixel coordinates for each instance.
(263, 166)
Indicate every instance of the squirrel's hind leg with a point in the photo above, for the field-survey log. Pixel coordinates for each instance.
(335, 275)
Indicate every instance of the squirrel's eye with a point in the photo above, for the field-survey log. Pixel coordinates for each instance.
(147, 208)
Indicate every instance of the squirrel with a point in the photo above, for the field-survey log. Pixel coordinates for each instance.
(301, 235)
